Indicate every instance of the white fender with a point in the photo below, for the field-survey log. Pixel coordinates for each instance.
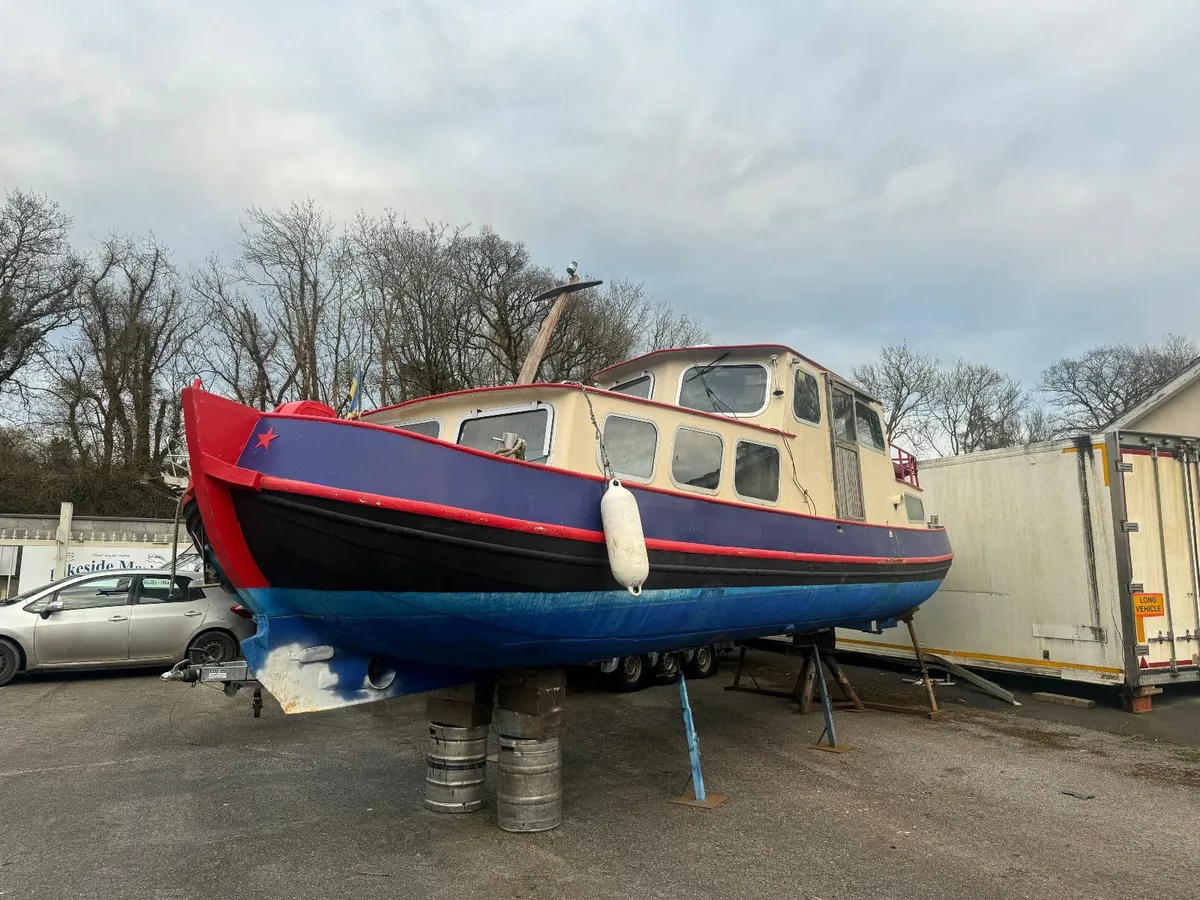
(627, 555)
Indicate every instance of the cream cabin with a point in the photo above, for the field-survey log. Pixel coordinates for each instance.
(758, 425)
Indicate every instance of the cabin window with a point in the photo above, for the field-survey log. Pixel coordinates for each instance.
(915, 508)
(696, 459)
(485, 431)
(631, 445)
(870, 431)
(642, 386)
(843, 416)
(806, 398)
(756, 471)
(430, 427)
(726, 390)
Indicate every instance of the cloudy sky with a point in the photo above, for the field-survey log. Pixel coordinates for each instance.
(1006, 180)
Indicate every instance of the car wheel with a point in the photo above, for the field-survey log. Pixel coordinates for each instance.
(10, 661)
(702, 664)
(212, 647)
(628, 675)
(667, 668)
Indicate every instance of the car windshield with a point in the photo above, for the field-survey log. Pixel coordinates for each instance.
(25, 595)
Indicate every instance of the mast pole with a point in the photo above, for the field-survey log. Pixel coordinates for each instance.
(533, 361)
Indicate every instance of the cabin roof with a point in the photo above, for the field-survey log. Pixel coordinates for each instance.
(417, 402)
(711, 351)
(1187, 376)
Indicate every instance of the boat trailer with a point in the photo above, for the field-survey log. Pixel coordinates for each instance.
(231, 676)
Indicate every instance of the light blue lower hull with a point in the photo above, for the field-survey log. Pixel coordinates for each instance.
(375, 644)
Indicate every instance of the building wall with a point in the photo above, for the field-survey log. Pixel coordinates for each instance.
(95, 544)
(1178, 416)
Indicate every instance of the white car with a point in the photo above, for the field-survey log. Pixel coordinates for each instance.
(123, 617)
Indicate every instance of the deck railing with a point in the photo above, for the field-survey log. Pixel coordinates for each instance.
(904, 464)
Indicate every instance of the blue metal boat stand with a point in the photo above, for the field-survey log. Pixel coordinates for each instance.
(830, 731)
(697, 796)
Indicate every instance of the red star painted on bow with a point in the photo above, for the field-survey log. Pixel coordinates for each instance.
(264, 439)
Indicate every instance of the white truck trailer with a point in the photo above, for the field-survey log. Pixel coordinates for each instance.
(1074, 559)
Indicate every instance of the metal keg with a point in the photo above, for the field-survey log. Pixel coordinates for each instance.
(455, 768)
(529, 784)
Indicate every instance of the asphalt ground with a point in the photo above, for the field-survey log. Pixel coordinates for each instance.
(120, 786)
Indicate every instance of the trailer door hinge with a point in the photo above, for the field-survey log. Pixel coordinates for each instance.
(1124, 466)
(1129, 526)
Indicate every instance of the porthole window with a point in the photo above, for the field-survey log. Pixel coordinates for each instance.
(756, 471)
(631, 445)
(696, 459)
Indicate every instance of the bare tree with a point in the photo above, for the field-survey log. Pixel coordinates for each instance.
(498, 279)
(243, 349)
(286, 319)
(420, 321)
(1036, 425)
(905, 381)
(1091, 390)
(39, 276)
(668, 328)
(116, 383)
(975, 407)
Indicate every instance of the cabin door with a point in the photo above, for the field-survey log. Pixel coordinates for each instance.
(847, 474)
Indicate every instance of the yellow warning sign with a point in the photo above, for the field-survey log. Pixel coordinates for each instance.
(1148, 605)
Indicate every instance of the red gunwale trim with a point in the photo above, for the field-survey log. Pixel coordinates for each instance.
(474, 517)
(586, 476)
(591, 390)
(227, 429)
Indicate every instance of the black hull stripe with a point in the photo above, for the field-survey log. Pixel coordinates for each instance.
(317, 543)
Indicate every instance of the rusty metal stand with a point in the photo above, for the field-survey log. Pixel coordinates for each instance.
(933, 712)
(769, 692)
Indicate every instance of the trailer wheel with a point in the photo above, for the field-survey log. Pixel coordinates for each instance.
(10, 661)
(629, 674)
(702, 664)
(667, 668)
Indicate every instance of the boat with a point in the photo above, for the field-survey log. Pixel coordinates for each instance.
(420, 544)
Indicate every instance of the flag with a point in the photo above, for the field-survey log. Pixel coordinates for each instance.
(355, 396)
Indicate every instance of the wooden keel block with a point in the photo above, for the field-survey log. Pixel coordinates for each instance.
(536, 679)
(1139, 704)
(476, 692)
(534, 701)
(1063, 700)
(458, 713)
(512, 724)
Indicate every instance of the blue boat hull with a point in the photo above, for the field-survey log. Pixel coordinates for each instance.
(510, 630)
